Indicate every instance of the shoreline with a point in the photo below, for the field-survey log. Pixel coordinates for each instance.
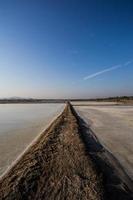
(52, 148)
(29, 145)
(20, 124)
(113, 127)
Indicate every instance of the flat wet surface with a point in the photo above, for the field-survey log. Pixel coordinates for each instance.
(113, 125)
(19, 125)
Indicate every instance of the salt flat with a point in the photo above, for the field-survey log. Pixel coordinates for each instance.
(19, 125)
(113, 125)
(94, 103)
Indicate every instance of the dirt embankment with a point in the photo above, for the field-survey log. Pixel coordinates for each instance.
(56, 166)
(116, 182)
(66, 162)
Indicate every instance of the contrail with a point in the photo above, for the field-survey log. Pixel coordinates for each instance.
(102, 72)
(128, 62)
(107, 70)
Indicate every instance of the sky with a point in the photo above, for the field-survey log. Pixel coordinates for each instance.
(66, 48)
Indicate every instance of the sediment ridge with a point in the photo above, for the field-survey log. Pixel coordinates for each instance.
(58, 165)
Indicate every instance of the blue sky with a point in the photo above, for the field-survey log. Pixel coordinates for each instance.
(66, 48)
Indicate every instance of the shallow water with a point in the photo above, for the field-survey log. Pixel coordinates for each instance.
(113, 125)
(19, 125)
(16, 116)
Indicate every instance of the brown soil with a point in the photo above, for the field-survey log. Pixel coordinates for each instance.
(56, 166)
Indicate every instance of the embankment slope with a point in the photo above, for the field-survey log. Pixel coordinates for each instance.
(56, 166)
